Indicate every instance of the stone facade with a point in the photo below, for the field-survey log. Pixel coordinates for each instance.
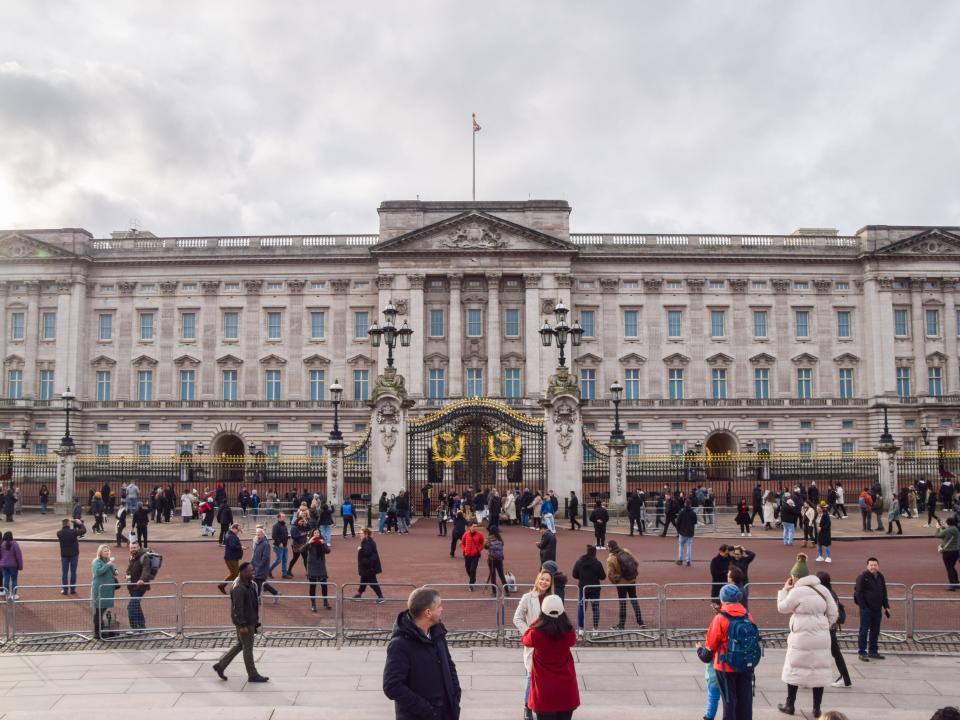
(788, 342)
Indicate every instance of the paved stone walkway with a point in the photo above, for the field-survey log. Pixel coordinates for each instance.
(315, 682)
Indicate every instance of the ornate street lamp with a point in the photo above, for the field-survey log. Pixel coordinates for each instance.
(925, 434)
(561, 331)
(336, 393)
(886, 438)
(389, 333)
(24, 438)
(616, 391)
(698, 446)
(68, 397)
(749, 445)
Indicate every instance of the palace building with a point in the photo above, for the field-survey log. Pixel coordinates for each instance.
(721, 342)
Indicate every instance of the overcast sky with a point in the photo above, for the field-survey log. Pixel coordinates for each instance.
(300, 117)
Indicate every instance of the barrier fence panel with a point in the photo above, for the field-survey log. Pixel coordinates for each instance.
(617, 617)
(893, 630)
(5, 611)
(152, 616)
(687, 610)
(511, 635)
(298, 613)
(935, 613)
(761, 601)
(369, 617)
(43, 614)
(470, 615)
(204, 611)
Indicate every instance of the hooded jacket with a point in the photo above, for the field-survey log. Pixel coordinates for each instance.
(812, 611)
(716, 643)
(420, 675)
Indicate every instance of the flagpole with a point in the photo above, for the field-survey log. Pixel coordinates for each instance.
(473, 134)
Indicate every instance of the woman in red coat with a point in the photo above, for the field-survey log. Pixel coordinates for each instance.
(554, 694)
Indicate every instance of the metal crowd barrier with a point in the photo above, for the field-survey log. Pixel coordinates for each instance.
(368, 617)
(934, 613)
(511, 634)
(609, 630)
(204, 611)
(153, 616)
(43, 614)
(686, 609)
(290, 614)
(470, 613)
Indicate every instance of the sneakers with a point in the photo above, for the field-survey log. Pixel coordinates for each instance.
(276, 598)
(828, 560)
(876, 656)
(679, 562)
(839, 683)
(688, 563)
(258, 679)
(819, 559)
(862, 657)
(381, 601)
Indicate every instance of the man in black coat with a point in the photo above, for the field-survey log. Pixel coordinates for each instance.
(523, 507)
(496, 507)
(588, 572)
(757, 499)
(573, 510)
(547, 545)
(420, 675)
(634, 511)
(141, 520)
(459, 530)
(245, 614)
(870, 595)
(718, 571)
(686, 524)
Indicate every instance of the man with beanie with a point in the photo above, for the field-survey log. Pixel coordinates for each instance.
(737, 686)
(588, 572)
(870, 595)
(622, 570)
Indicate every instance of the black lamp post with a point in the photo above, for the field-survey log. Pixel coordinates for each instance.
(749, 445)
(925, 434)
(616, 390)
(390, 332)
(561, 331)
(252, 448)
(68, 397)
(336, 393)
(886, 438)
(200, 447)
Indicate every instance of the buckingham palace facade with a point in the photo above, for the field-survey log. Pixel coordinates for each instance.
(791, 343)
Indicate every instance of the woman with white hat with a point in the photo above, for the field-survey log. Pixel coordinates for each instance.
(554, 694)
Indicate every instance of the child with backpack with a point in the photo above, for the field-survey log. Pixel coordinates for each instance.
(733, 646)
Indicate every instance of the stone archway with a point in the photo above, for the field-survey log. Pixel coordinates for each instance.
(720, 447)
(228, 444)
(721, 443)
(228, 458)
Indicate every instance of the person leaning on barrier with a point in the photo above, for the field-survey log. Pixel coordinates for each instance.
(139, 575)
(103, 587)
(419, 674)
(245, 615)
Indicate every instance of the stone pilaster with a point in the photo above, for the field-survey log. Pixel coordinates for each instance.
(494, 335)
(4, 330)
(950, 332)
(334, 457)
(419, 324)
(531, 340)
(618, 473)
(563, 427)
(65, 479)
(342, 332)
(388, 432)
(455, 312)
(918, 333)
(32, 340)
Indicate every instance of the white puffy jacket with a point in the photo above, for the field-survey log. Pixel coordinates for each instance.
(808, 662)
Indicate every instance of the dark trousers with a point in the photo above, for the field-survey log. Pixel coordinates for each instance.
(121, 536)
(454, 541)
(890, 524)
(838, 657)
(97, 623)
(134, 612)
(634, 520)
(865, 518)
(757, 513)
(869, 630)
(671, 520)
(574, 522)
(624, 592)
(244, 644)
(471, 563)
(792, 695)
(442, 527)
(600, 533)
(950, 563)
(142, 535)
(263, 585)
(323, 590)
(348, 520)
(224, 529)
(736, 689)
(592, 597)
(879, 514)
(565, 715)
(496, 568)
(370, 580)
(297, 556)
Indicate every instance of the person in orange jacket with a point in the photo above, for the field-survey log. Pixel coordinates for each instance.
(472, 545)
(737, 687)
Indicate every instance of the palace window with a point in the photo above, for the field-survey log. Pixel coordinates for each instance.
(145, 385)
(361, 384)
(761, 383)
(588, 323)
(474, 382)
(436, 323)
(631, 384)
(272, 384)
(675, 381)
(103, 385)
(146, 326)
(231, 325)
(631, 324)
(588, 384)
(435, 388)
(903, 382)
(511, 322)
(188, 385)
(512, 383)
(317, 384)
(843, 324)
(719, 383)
(846, 383)
(46, 384)
(759, 323)
(229, 383)
(49, 327)
(317, 325)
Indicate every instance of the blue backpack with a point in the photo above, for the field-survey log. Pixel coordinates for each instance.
(744, 647)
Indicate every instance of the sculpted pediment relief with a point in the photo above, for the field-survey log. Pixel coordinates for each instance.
(102, 361)
(762, 359)
(229, 360)
(272, 360)
(144, 360)
(846, 359)
(316, 359)
(929, 242)
(719, 359)
(632, 359)
(588, 359)
(23, 247)
(676, 359)
(186, 360)
(804, 359)
(474, 232)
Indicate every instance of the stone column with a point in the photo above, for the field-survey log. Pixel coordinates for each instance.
(887, 455)
(68, 336)
(31, 346)
(618, 473)
(918, 333)
(125, 331)
(388, 434)
(419, 324)
(166, 332)
(950, 332)
(455, 347)
(878, 313)
(65, 479)
(252, 323)
(494, 334)
(335, 471)
(531, 340)
(4, 330)
(342, 333)
(210, 332)
(563, 428)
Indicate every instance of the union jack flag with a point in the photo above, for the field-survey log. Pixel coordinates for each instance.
(476, 126)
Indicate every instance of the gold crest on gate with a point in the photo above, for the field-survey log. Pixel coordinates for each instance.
(448, 449)
(503, 448)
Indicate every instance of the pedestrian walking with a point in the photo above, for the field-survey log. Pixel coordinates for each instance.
(588, 571)
(315, 558)
(840, 506)
(894, 516)
(138, 577)
(769, 510)
(494, 508)
(121, 525)
(808, 518)
(510, 508)
(280, 534)
(103, 587)
(622, 572)
(132, 497)
(68, 537)
(719, 565)
(11, 563)
(346, 513)
(734, 669)
(844, 680)
(824, 534)
(186, 506)
(635, 511)
(419, 674)
(260, 561)
(813, 612)
(225, 518)
(443, 517)
(472, 546)
(554, 693)
(140, 522)
(948, 548)
(573, 511)
(368, 566)
(245, 615)
(232, 555)
(600, 517)
(686, 524)
(547, 545)
(527, 613)
(870, 595)
(495, 556)
(743, 518)
(299, 536)
(536, 510)
(97, 507)
(9, 504)
(459, 530)
(325, 522)
(789, 514)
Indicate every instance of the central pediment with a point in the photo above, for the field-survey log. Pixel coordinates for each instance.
(19, 246)
(474, 232)
(932, 242)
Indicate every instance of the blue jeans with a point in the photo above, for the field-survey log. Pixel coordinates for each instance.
(823, 550)
(788, 530)
(525, 518)
(134, 611)
(869, 629)
(383, 519)
(548, 520)
(713, 692)
(43, 507)
(10, 579)
(326, 532)
(684, 547)
(281, 553)
(68, 564)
